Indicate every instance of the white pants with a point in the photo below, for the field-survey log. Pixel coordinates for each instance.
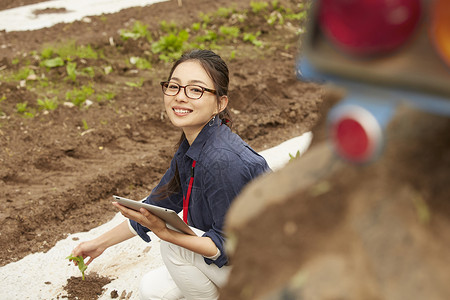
(184, 276)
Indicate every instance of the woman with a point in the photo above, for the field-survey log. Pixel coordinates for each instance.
(195, 99)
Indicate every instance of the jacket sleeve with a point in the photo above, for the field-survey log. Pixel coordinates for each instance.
(225, 178)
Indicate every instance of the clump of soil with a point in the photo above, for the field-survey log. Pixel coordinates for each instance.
(88, 289)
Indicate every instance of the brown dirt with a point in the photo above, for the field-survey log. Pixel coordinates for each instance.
(89, 288)
(57, 175)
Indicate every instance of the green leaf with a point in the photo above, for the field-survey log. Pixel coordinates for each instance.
(71, 71)
(80, 263)
(53, 62)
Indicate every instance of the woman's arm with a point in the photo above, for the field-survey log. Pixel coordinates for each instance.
(201, 245)
(95, 247)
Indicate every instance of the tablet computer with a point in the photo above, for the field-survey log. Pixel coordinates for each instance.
(172, 219)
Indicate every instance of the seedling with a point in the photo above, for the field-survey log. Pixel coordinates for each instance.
(47, 104)
(85, 124)
(258, 6)
(53, 62)
(80, 262)
(224, 12)
(66, 52)
(135, 84)
(170, 46)
(139, 30)
(292, 157)
(252, 38)
(106, 96)
(140, 63)
(71, 69)
(229, 31)
(209, 36)
(23, 73)
(168, 27)
(22, 108)
(79, 96)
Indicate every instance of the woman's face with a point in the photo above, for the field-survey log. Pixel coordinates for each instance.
(191, 115)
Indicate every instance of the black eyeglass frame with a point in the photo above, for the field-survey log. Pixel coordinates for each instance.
(184, 87)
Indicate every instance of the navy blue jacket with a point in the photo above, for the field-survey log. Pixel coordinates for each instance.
(225, 164)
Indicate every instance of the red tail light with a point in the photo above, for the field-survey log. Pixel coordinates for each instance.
(355, 133)
(366, 27)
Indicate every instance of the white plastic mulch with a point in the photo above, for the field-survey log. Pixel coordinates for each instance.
(24, 18)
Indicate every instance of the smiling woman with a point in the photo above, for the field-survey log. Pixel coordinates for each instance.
(194, 266)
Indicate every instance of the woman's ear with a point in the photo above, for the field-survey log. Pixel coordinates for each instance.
(223, 102)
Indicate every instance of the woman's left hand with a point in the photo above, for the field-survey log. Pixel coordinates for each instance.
(145, 218)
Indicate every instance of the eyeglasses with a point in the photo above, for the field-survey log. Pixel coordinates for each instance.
(191, 91)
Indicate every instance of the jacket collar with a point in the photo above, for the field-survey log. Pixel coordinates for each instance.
(194, 150)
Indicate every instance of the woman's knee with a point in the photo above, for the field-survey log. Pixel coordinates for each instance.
(158, 284)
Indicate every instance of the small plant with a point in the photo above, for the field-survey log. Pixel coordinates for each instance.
(206, 19)
(258, 6)
(224, 12)
(171, 27)
(233, 54)
(88, 71)
(135, 84)
(138, 31)
(140, 63)
(3, 98)
(85, 124)
(55, 56)
(229, 31)
(171, 46)
(297, 17)
(106, 96)
(23, 74)
(53, 62)
(292, 157)
(71, 70)
(47, 104)
(252, 38)
(209, 36)
(79, 96)
(196, 26)
(22, 108)
(80, 262)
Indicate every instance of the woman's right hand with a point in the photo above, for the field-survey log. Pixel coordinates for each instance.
(89, 249)
(94, 248)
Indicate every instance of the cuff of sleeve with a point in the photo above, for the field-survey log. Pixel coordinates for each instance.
(216, 256)
(131, 227)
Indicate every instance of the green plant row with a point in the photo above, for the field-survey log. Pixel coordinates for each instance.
(166, 43)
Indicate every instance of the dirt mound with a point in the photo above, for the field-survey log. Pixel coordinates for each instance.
(330, 230)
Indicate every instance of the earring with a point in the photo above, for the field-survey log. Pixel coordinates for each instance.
(211, 122)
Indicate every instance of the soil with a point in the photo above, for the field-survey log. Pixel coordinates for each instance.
(60, 168)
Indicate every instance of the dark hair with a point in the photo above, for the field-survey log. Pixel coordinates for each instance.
(217, 70)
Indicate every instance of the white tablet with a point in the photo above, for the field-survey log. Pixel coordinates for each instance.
(172, 219)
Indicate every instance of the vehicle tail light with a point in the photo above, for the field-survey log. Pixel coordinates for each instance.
(368, 27)
(355, 133)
